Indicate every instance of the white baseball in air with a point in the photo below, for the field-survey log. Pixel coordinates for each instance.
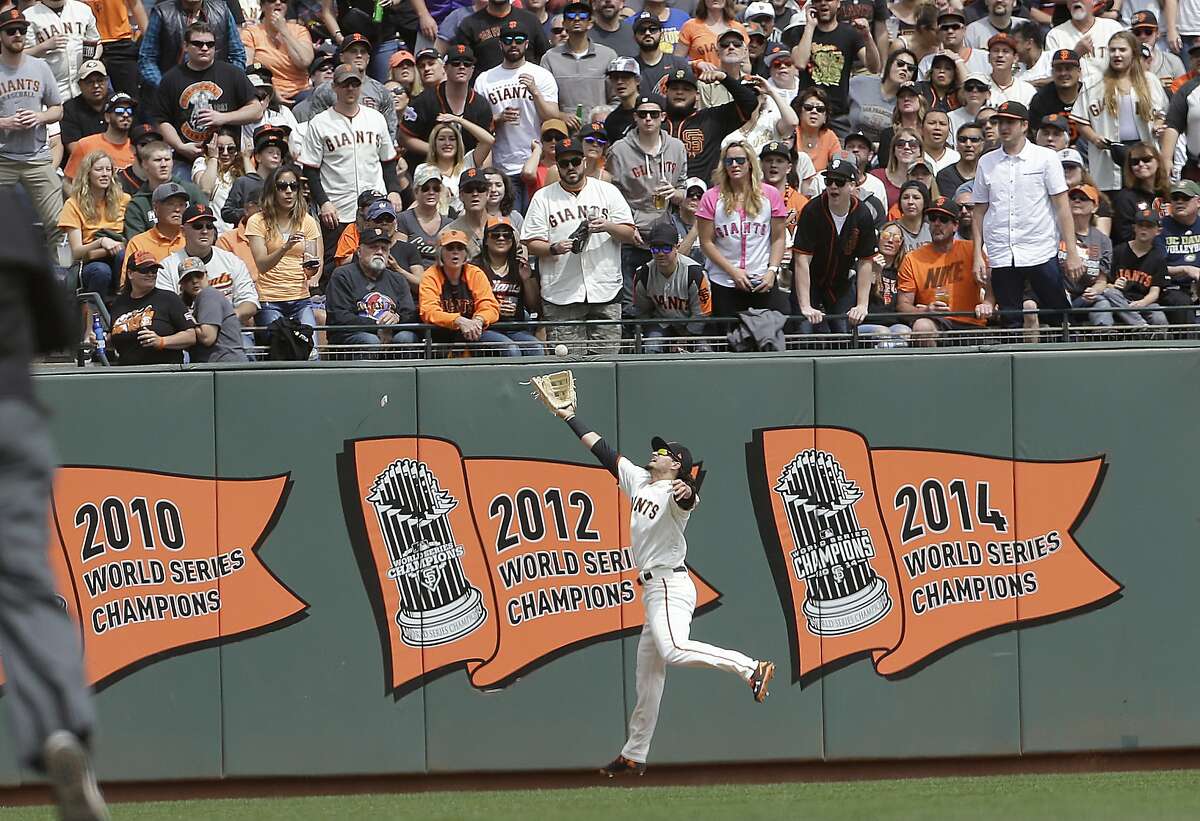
(383, 401)
(560, 350)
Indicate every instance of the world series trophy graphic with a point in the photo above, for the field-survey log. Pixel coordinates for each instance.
(833, 553)
(438, 604)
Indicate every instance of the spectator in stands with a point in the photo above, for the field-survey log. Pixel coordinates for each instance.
(166, 36)
(57, 31)
(595, 143)
(835, 235)
(221, 166)
(283, 46)
(655, 58)
(113, 141)
(935, 136)
(777, 162)
(999, 20)
(1085, 33)
(115, 20)
(1054, 132)
(348, 148)
(648, 167)
(742, 228)
(1094, 247)
(873, 101)
(814, 137)
(226, 272)
(156, 161)
(624, 75)
(1124, 107)
(705, 127)
(910, 110)
(150, 326)
(235, 241)
(698, 36)
(610, 29)
(454, 96)
(446, 153)
(885, 267)
(914, 199)
(270, 149)
(200, 95)
(952, 39)
(83, 115)
(1002, 56)
(29, 101)
(431, 70)
(1146, 184)
(367, 292)
(906, 149)
(824, 57)
(423, 222)
(974, 94)
(320, 71)
(937, 278)
(285, 241)
(1012, 212)
(500, 196)
(522, 96)
(731, 48)
(1140, 271)
(969, 141)
(132, 178)
(672, 288)
(670, 20)
(513, 283)
(1163, 64)
(917, 28)
(1179, 240)
(218, 328)
(375, 212)
(1059, 95)
(449, 25)
(684, 218)
(940, 88)
(274, 111)
(473, 190)
(164, 234)
(578, 65)
(484, 32)
(457, 297)
(1034, 61)
(578, 281)
(1075, 174)
(355, 51)
(93, 219)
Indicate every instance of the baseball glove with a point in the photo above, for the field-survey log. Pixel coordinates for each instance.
(555, 390)
(579, 238)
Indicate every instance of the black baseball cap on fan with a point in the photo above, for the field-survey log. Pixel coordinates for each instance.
(681, 454)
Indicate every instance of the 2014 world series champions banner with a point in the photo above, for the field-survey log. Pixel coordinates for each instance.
(903, 554)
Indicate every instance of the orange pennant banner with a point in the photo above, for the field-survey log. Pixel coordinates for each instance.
(904, 554)
(151, 564)
(493, 565)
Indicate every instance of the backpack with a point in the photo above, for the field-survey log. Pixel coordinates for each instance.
(290, 341)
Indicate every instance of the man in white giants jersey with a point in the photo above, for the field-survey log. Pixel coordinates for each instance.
(57, 29)
(663, 495)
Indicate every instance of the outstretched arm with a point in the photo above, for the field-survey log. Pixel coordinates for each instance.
(591, 440)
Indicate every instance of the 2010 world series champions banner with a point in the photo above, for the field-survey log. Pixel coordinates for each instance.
(151, 564)
(902, 554)
(496, 565)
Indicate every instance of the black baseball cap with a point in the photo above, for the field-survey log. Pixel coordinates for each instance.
(860, 136)
(779, 149)
(355, 39)
(650, 99)
(144, 133)
(1056, 121)
(568, 146)
(908, 88)
(119, 100)
(842, 169)
(681, 454)
(374, 236)
(460, 52)
(682, 75)
(368, 197)
(11, 18)
(198, 211)
(472, 178)
(663, 233)
(1065, 57)
(942, 205)
(1146, 215)
(323, 59)
(1012, 110)
(645, 19)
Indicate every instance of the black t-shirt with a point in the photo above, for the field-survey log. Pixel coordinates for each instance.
(1141, 272)
(829, 65)
(833, 255)
(80, 120)
(949, 179)
(1046, 102)
(651, 81)
(618, 123)
(184, 92)
(874, 11)
(481, 31)
(1125, 205)
(621, 40)
(421, 115)
(407, 255)
(162, 312)
(702, 131)
(425, 244)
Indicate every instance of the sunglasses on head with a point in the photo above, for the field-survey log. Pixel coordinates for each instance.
(570, 162)
(735, 161)
(817, 107)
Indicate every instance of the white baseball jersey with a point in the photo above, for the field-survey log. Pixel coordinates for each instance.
(656, 522)
(77, 23)
(595, 275)
(226, 272)
(1066, 35)
(350, 151)
(502, 88)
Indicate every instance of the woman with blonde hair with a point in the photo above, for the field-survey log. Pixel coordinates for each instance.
(446, 154)
(698, 37)
(906, 149)
(93, 219)
(285, 241)
(909, 113)
(885, 266)
(1124, 107)
(742, 227)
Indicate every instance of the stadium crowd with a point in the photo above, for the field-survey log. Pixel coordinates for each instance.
(225, 172)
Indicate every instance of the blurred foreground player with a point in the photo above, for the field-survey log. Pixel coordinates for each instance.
(663, 495)
(50, 708)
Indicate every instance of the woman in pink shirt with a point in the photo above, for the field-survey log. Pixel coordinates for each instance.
(742, 233)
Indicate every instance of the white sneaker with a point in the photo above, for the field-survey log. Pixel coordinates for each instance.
(71, 778)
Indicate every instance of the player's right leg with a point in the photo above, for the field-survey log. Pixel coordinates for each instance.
(651, 677)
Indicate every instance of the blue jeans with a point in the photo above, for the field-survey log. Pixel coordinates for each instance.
(368, 338)
(497, 341)
(529, 344)
(378, 68)
(99, 274)
(894, 335)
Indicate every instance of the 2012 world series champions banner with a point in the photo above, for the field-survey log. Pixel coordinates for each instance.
(903, 554)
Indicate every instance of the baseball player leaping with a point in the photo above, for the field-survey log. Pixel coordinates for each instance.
(663, 495)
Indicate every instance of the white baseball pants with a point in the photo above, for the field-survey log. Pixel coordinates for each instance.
(669, 602)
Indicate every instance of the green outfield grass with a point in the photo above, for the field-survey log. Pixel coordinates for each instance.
(1150, 795)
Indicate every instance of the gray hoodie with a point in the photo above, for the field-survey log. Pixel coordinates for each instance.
(636, 174)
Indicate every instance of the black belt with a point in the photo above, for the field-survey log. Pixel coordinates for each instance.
(647, 575)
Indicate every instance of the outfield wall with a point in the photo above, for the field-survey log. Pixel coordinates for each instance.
(289, 658)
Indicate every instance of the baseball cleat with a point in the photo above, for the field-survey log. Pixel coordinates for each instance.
(763, 674)
(71, 778)
(623, 766)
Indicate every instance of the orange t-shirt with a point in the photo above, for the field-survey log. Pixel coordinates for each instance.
(112, 19)
(72, 216)
(702, 42)
(925, 272)
(122, 155)
(235, 242)
(155, 243)
(288, 79)
(287, 281)
(347, 244)
(827, 144)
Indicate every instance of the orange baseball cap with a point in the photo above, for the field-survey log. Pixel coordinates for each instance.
(1088, 191)
(144, 260)
(400, 57)
(498, 222)
(451, 237)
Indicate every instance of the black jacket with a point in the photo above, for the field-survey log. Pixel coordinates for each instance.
(702, 131)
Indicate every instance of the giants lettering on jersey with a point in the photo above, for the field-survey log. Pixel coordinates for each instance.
(575, 212)
(1134, 276)
(223, 282)
(65, 27)
(513, 91)
(668, 168)
(740, 228)
(24, 87)
(335, 141)
(645, 507)
(670, 303)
